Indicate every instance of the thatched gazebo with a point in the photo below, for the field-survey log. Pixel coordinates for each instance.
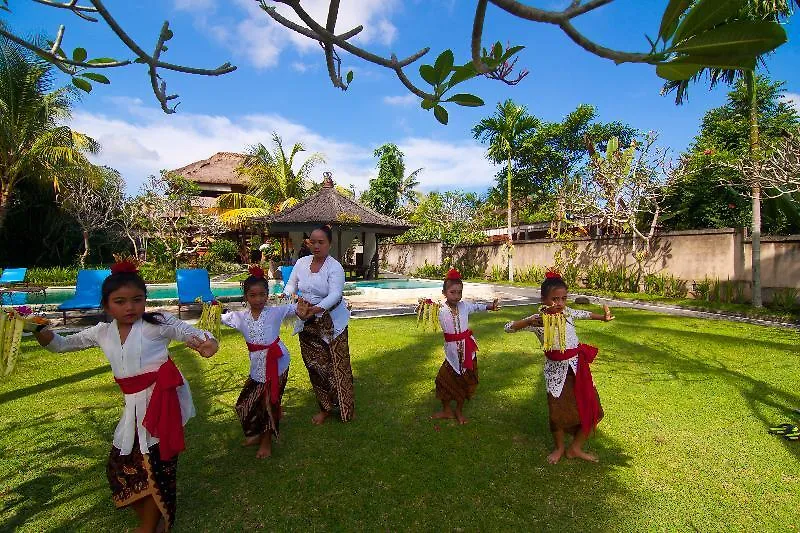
(348, 219)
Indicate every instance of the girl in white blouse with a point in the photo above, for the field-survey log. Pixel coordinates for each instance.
(259, 405)
(142, 465)
(572, 399)
(319, 281)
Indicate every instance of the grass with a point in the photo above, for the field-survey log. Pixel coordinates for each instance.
(683, 446)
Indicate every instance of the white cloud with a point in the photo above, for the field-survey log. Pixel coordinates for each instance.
(297, 66)
(149, 141)
(404, 100)
(249, 32)
(793, 99)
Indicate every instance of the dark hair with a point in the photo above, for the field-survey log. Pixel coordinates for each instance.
(327, 230)
(250, 281)
(552, 283)
(449, 282)
(115, 282)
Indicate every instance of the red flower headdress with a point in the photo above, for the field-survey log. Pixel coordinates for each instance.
(453, 274)
(125, 264)
(256, 271)
(552, 272)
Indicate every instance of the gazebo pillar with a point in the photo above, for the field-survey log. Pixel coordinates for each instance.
(370, 243)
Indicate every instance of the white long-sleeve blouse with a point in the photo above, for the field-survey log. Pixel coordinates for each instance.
(145, 350)
(456, 323)
(555, 372)
(323, 289)
(263, 330)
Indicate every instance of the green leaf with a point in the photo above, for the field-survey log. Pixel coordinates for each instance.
(79, 54)
(428, 74)
(705, 15)
(462, 73)
(735, 39)
(82, 84)
(99, 78)
(466, 100)
(721, 62)
(510, 52)
(168, 35)
(349, 77)
(443, 65)
(673, 71)
(672, 14)
(139, 60)
(497, 50)
(101, 60)
(427, 104)
(441, 114)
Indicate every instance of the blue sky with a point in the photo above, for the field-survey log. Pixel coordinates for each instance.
(281, 83)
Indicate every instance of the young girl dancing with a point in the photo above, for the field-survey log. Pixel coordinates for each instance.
(458, 376)
(142, 466)
(259, 404)
(572, 399)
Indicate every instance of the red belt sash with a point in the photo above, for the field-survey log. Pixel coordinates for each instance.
(470, 346)
(585, 395)
(274, 353)
(163, 418)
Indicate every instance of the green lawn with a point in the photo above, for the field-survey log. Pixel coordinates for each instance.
(683, 446)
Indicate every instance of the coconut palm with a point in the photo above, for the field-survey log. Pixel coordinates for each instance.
(273, 184)
(34, 142)
(506, 131)
(755, 10)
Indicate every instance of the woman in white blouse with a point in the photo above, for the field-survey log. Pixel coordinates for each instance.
(319, 281)
(142, 465)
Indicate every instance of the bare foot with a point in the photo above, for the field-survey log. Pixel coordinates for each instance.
(462, 419)
(320, 417)
(573, 453)
(555, 456)
(251, 441)
(265, 450)
(446, 414)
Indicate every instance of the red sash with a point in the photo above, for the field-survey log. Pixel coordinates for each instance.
(470, 346)
(163, 418)
(585, 395)
(273, 354)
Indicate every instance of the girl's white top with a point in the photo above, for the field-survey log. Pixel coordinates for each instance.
(555, 372)
(323, 288)
(454, 351)
(263, 330)
(145, 350)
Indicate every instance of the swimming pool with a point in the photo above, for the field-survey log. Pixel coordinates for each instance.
(169, 291)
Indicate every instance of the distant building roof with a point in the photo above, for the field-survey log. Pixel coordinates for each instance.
(329, 206)
(218, 169)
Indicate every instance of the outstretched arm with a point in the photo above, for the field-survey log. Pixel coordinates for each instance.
(533, 321)
(605, 317)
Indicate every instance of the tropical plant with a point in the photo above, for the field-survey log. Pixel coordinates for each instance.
(34, 142)
(712, 15)
(391, 189)
(505, 132)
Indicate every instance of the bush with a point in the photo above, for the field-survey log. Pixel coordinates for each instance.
(532, 274)
(157, 273)
(224, 250)
(785, 299)
(52, 275)
(428, 271)
(498, 273)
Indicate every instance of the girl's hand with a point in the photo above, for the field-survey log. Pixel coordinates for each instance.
(534, 321)
(315, 310)
(494, 307)
(205, 347)
(607, 316)
(302, 309)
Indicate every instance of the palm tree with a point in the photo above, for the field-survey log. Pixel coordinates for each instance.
(756, 10)
(34, 142)
(506, 132)
(273, 184)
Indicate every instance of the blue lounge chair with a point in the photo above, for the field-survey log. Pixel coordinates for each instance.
(13, 276)
(87, 292)
(286, 272)
(193, 283)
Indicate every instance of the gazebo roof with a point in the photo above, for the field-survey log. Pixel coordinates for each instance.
(329, 206)
(218, 169)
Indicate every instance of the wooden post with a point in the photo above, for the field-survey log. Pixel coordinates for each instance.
(339, 243)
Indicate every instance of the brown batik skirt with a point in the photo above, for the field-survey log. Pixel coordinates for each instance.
(450, 385)
(255, 412)
(564, 409)
(136, 476)
(328, 366)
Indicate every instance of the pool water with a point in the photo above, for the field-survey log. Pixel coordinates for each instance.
(169, 291)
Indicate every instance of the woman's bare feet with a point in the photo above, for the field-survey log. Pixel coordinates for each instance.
(251, 441)
(319, 418)
(555, 456)
(460, 417)
(443, 414)
(265, 450)
(578, 453)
